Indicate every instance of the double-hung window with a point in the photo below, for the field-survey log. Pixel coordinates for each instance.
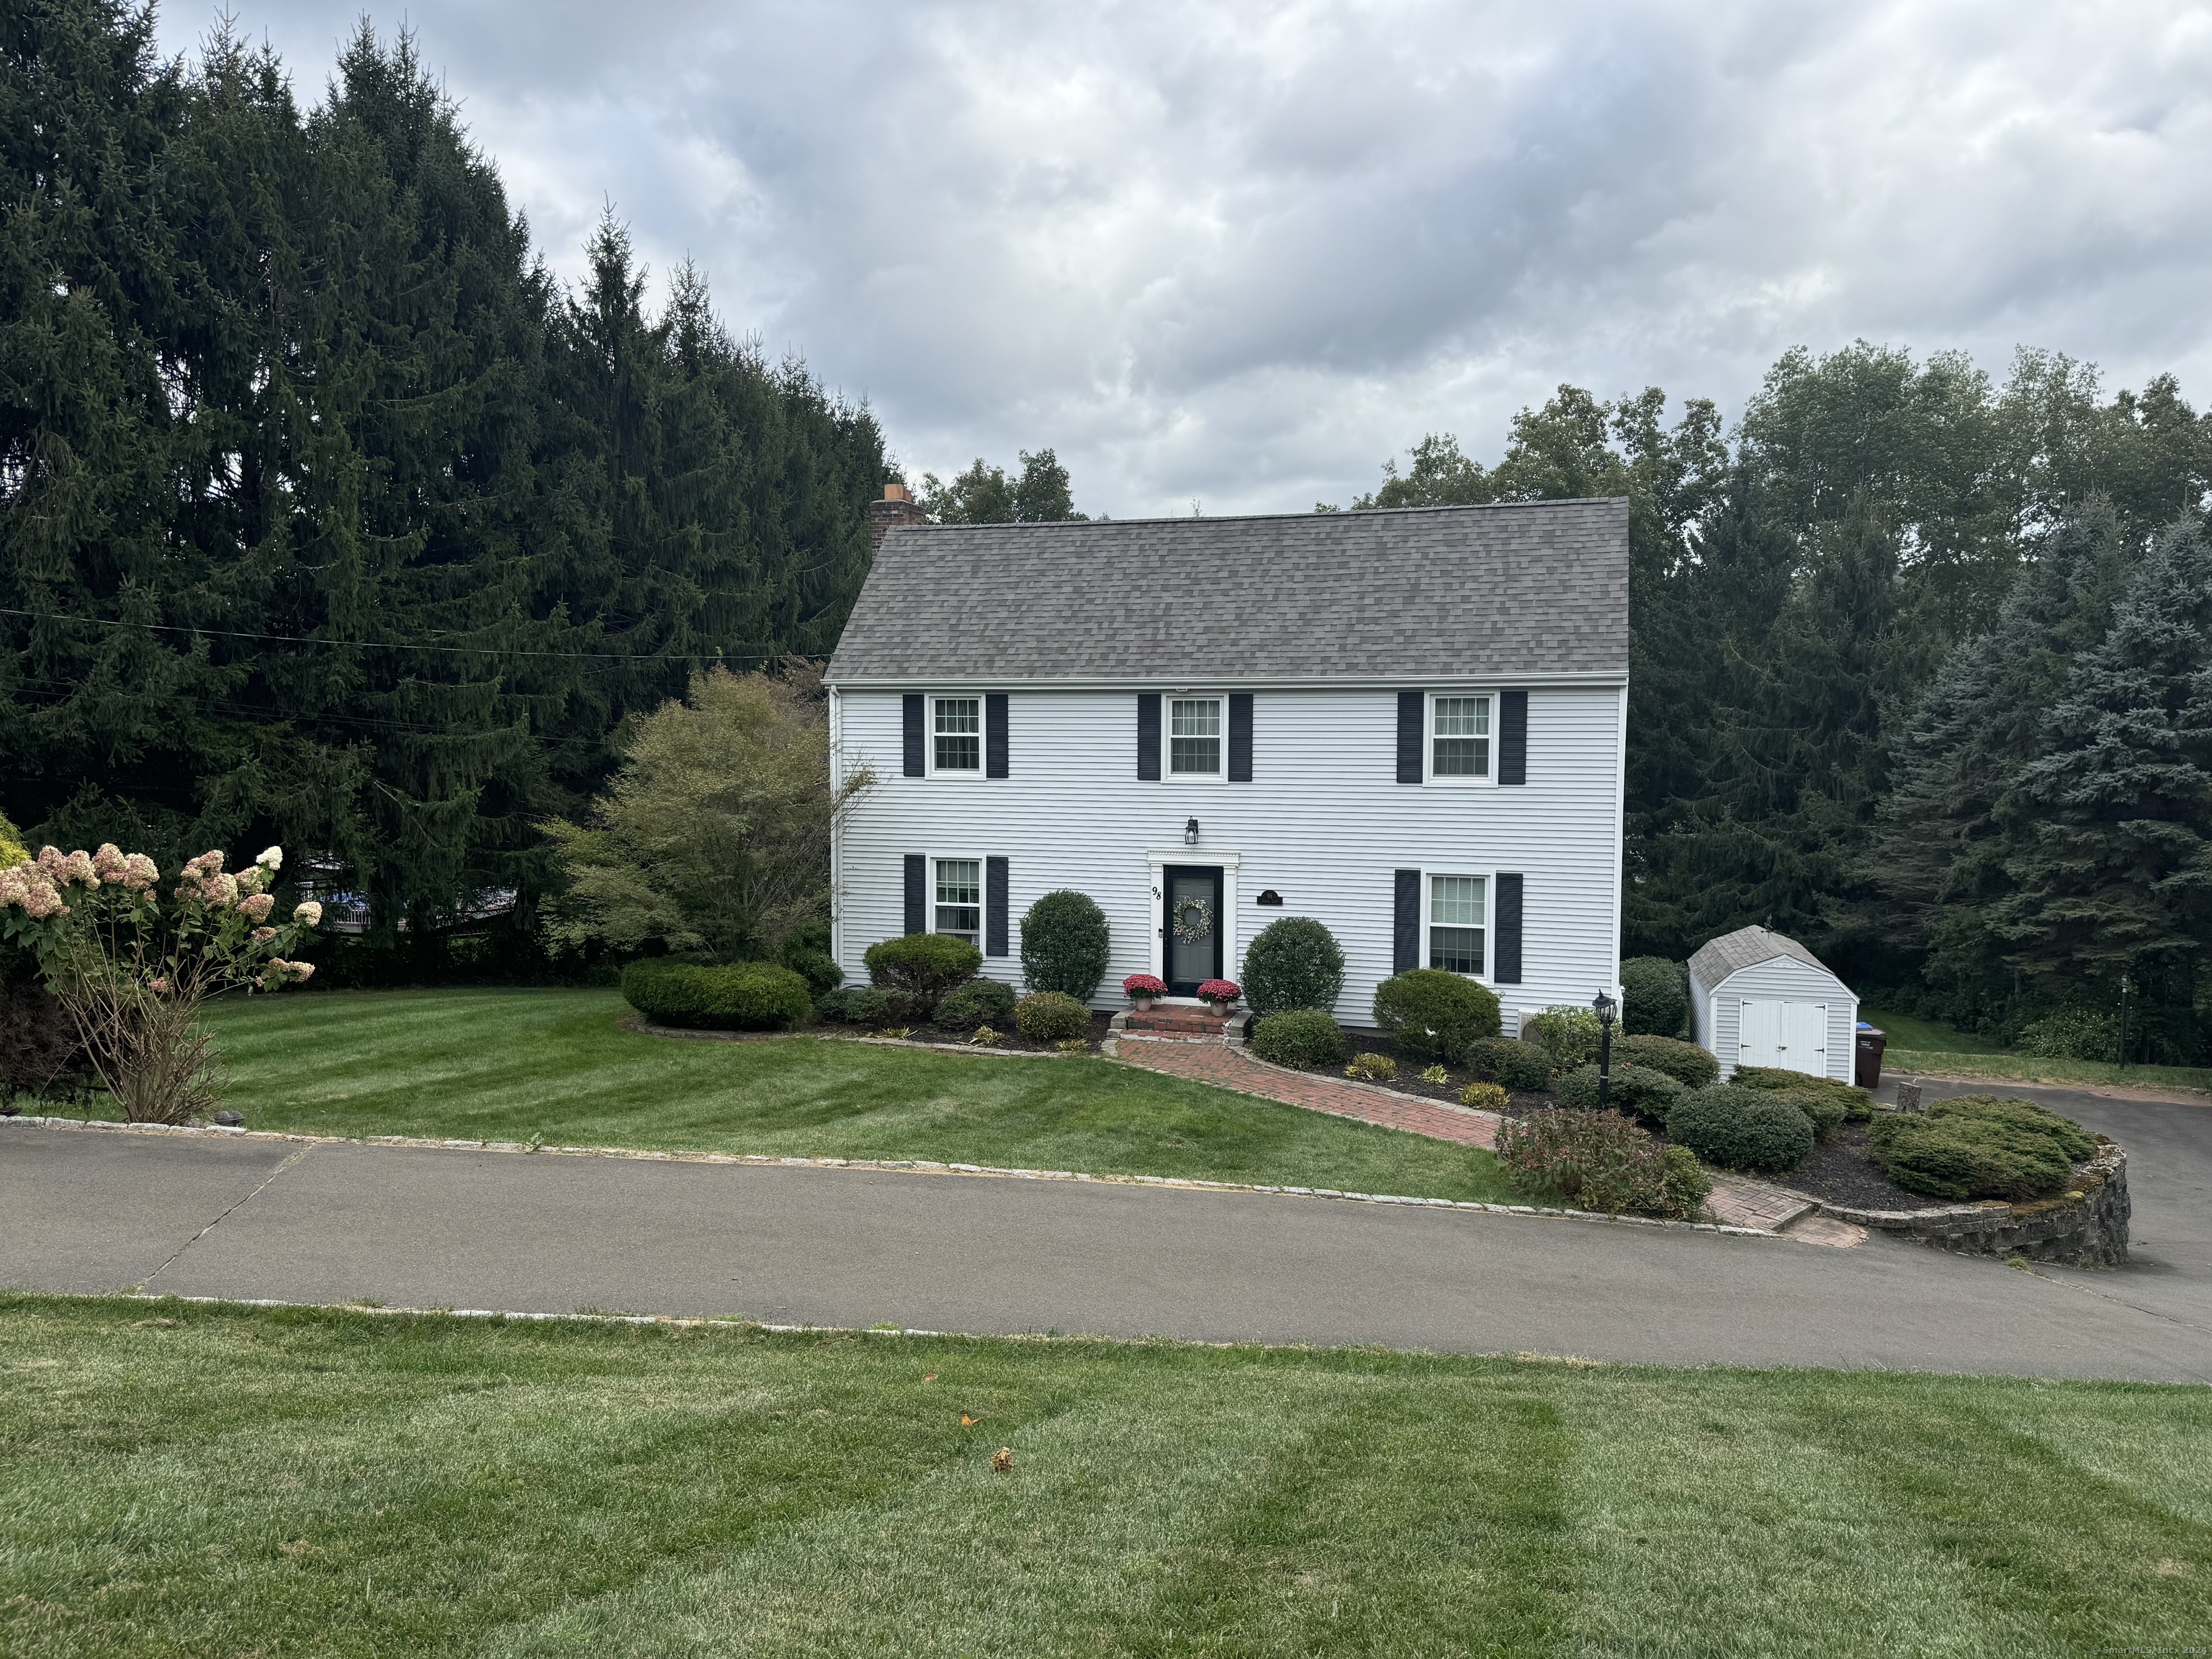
(1194, 736)
(1455, 922)
(957, 734)
(1459, 738)
(959, 907)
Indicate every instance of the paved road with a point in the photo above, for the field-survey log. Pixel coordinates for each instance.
(2169, 1144)
(430, 1228)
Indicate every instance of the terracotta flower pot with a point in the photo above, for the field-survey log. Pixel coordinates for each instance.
(1143, 1004)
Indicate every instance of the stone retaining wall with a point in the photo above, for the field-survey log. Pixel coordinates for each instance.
(2086, 1228)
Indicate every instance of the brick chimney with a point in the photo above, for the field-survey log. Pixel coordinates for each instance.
(897, 507)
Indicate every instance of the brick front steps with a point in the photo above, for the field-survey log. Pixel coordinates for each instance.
(1172, 1020)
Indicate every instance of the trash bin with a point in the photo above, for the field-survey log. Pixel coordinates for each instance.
(1867, 1069)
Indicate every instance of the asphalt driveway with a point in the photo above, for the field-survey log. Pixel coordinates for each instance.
(93, 1211)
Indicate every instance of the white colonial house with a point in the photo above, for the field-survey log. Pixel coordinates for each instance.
(1408, 725)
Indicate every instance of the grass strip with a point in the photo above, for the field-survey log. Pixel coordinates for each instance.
(206, 1479)
(509, 1064)
(2029, 1068)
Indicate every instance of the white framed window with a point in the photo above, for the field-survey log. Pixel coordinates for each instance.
(957, 898)
(1459, 750)
(1193, 737)
(1458, 924)
(955, 737)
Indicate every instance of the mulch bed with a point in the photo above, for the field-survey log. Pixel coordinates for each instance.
(1012, 1041)
(1843, 1173)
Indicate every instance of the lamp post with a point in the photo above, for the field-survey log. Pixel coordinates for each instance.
(2124, 988)
(1604, 1005)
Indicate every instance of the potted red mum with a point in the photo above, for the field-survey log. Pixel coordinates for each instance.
(1143, 989)
(1220, 994)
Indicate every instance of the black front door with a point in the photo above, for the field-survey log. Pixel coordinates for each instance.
(1190, 926)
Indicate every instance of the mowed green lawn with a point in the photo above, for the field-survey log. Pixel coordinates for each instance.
(508, 1065)
(182, 1478)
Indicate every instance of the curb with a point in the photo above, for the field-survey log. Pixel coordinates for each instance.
(904, 1165)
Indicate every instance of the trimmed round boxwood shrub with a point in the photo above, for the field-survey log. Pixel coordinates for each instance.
(1435, 1015)
(923, 965)
(979, 1002)
(1304, 1038)
(1520, 1067)
(1051, 1017)
(744, 996)
(1065, 944)
(1635, 1089)
(1598, 1160)
(1741, 1129)
(1980, 1146)
(1850, 1105)
(859, 1004)
(813, 965)
(1686, 1063)
(1654, 996)
(1824, 1112)
(1293, 963)
(1567, 1033)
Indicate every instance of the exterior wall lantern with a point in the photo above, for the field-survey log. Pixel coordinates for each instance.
(1190, 833)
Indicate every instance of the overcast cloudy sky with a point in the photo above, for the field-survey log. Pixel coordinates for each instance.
(1241, 253)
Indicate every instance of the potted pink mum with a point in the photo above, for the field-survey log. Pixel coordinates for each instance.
(1143, 989)
(1220, 995)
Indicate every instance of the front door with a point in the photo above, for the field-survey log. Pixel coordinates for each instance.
(1190, 926)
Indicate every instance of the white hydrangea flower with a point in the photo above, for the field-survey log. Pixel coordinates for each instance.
(271, 859)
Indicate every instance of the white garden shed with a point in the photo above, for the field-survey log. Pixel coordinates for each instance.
(1758, 998)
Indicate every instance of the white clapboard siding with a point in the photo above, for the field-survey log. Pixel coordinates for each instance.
(1323, 822)
(1719, 1013)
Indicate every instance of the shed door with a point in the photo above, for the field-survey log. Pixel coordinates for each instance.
(1789, 1036)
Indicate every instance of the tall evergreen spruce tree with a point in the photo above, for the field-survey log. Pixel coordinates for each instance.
(2112, 825)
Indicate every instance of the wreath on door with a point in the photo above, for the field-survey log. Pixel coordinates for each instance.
(1194, 921)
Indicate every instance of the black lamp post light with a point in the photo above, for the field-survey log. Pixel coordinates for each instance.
(1606, 1008)
(2124, 988)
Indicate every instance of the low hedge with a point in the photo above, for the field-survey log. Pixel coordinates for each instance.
(1304, 1038)
(744, 996)
(1855, 1105)
(1686, 1063)
(1523, 1068)
(1635, 1089)
(1598, 1161)
(979, 1002)
(855, 1005)
(1051, 1017)
(1435, 1015)
(1980, 1146)
(1740, 1128)
(923, 965)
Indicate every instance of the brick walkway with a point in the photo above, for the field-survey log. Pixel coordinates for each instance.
(1733, 1203)
(1232, 1068)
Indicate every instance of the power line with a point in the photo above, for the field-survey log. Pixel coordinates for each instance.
(402, 645)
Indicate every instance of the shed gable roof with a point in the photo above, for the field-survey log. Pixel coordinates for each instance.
(1526, 590)
(1747, 947)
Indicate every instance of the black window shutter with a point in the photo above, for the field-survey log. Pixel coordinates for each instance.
(1148, 734)
(1240, 736)
(913, 712)
(917, 893)
(994, 906)
(1513, 737)
(994, 737)
(1412, 711)
(1506, 957)
(1406, 925)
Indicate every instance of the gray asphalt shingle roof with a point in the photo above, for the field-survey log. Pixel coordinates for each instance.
(1747, 947)
(1524, 590)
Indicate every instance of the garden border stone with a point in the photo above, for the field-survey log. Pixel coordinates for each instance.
(2086, 1228)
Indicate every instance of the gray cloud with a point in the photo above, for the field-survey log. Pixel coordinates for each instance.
(1242, 252)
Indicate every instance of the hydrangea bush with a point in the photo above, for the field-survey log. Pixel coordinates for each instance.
(132, 965)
